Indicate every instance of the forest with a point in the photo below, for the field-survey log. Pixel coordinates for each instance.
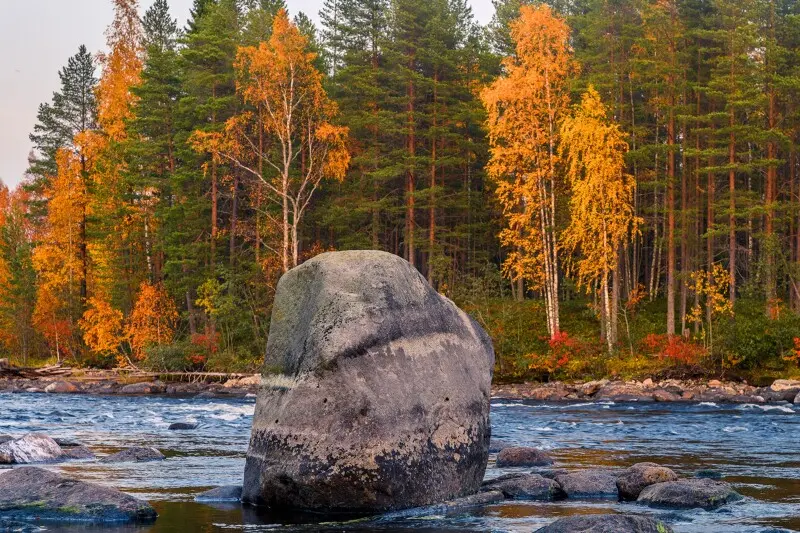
(610, 187)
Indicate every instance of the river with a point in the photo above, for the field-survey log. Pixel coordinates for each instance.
(755, 447)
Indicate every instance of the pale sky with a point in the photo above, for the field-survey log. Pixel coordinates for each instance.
(38, 36)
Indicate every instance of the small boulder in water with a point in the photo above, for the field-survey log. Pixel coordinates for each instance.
(689, 494)
(606, 523)
(526, 487)
(66, 442)
(522, 456)
(182, 426)
(589, 484)
(35, 493)
(32, 448)
(78, 452)
(230, 493)
(497, 445)
(135, 454)
(61, 387)
(632, 481)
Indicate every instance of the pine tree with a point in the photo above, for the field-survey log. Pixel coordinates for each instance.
(72, 111)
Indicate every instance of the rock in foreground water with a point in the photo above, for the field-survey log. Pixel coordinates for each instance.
(589, 484)
(31, 492)
(631, 482)
(689, 494)
(522, 456)
(135, 454)
(606, 523)
(526, 487)
(229, 493)
(375, 394)
(31, 448)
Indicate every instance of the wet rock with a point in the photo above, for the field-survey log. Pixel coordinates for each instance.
(155, 387)
(708, 474)
(589, 484)
(796, 400)
(522, 456)
(633, 480)
(61, 387)
(15, 526)
(590, 388)
(526, 487)
(449, 507)
(31, 448)
(31, 492)
(688, 494)
(375, 393)
(745, 398)
(230, 493)
(135, 454)
(606, 523)
(619, 391)
(182, 426)
(78, 452)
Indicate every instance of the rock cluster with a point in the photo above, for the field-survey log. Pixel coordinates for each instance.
(670, 390)
(40, 448)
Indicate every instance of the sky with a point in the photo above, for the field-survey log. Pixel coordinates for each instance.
(38, 36)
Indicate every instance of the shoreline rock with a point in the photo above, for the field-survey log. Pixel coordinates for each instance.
(606, 523)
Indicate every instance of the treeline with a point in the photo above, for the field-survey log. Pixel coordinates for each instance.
(633, 151)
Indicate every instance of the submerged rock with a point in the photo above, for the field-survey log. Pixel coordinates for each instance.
(631, 482)
(32, 448)
(689, 493)
(526, 487)
(182, 426)
(375, 394)
(31, 492)
(449, 507)
(230, 493)
(606, 523)
(135, 454)
(589, 484)
(523, 456)
(8, 525)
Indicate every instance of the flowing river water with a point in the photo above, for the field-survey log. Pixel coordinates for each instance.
(754, 447)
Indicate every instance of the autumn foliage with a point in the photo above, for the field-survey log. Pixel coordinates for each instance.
(153, 319)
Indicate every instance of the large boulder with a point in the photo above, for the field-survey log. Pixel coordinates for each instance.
(31, 492)
(688, 494)
(31, 448)
(631, 482)
(375, 393)
(606, 523)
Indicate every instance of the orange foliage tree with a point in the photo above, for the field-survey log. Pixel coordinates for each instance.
(57, 259)
(601, 205)
(524, 108)
(292, 109)
(102, 328)
(153, 319)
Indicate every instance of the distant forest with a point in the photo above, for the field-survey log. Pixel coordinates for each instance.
(608, 186)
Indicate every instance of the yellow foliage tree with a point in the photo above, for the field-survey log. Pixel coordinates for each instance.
(601, 204)
(153, 319)
(279, 80)
(102, 328)
(524, 108)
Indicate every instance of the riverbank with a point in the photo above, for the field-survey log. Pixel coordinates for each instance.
(671, 390)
